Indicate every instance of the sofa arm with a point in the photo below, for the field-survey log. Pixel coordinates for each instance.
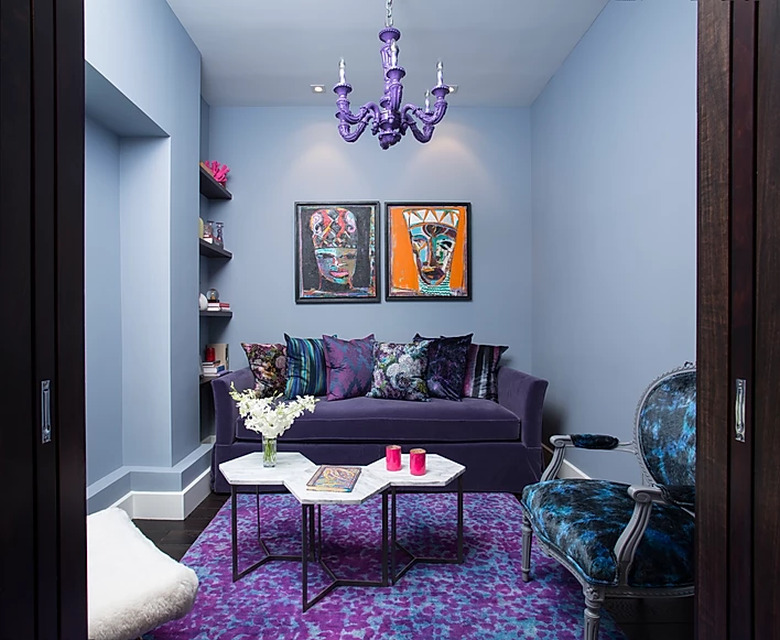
(523, 395)
(225, 410)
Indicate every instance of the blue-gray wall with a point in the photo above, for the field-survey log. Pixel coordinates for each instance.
(614, 216)
(146, 56)
(280, 156)
(102, 299)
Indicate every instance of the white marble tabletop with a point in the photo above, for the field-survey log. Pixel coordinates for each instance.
(439, 472)
(249, 469)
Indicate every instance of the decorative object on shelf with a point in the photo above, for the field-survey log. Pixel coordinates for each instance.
(212, 295)
(270, 416)
(335, 252)
(218, 171)
(390, 120)
(208, 231)
(201, 226)
(203, 302)
(217, 230)
(428, 251)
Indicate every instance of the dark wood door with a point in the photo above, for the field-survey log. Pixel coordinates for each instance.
(738, 336)
(43, 576)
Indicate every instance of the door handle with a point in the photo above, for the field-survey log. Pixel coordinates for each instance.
(45, 411)
(739, 410)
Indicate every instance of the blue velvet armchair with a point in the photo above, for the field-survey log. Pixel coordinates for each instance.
(616, 539)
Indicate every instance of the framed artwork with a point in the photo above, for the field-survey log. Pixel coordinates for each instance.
(335, 252)
(428, 253)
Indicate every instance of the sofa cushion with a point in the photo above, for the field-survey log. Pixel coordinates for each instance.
(268, 362)
(446, 372)
(481, 379)
(384, 421)
(399, 370)
(349, 366)
(305, 367)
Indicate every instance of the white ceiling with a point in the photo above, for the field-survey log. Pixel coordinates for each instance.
(267, 53)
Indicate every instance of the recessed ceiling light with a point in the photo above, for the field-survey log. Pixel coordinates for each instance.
(317, 88)
(453, 88)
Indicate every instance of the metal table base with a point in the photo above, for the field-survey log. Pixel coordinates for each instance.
(268, 557)
(309, 549)
(394, 544)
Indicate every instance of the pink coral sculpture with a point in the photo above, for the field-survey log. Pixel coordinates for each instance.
(218, 171)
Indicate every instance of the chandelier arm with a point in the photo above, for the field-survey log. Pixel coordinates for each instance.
(411, 111)
(421, 136)
(347, 119)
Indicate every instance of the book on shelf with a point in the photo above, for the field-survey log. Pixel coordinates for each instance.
(212, 369)
(211, 376)
(218, 306)
(330, 477)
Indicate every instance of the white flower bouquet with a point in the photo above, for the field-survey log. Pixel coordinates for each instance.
(270, 416)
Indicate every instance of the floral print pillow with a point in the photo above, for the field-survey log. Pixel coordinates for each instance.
(399, 371)
(268, 363)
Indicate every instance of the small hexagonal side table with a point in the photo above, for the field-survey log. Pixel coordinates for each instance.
(439, 472)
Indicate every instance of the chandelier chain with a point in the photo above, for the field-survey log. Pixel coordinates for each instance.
(389, 18)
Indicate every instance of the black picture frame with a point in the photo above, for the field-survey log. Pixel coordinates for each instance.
(447, 255)
(336, 258)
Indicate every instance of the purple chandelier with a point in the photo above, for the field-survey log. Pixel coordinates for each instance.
(389, 121)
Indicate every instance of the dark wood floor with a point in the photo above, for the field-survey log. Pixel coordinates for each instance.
(656, 619)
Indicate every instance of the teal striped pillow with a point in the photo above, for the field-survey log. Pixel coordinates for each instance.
(306, 373)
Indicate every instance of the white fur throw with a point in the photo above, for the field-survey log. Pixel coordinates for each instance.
(132, 586)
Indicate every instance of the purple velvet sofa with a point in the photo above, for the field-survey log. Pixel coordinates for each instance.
(499, 443)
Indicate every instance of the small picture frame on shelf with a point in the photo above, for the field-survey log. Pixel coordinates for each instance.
(217, 231)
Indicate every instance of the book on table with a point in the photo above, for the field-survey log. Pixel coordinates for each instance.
(330, 477)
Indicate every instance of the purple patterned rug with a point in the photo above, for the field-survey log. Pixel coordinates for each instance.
(482, 598)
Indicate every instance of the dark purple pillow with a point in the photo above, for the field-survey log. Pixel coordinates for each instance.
(446, 372)
(482, 371)
(349, 365)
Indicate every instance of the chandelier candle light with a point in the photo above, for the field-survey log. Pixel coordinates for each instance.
(270, 416)
(390, 120)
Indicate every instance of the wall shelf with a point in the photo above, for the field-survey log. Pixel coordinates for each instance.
(216, 314)
(211, 250)
(211, 188)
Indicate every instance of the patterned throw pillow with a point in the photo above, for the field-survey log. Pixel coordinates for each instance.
(305, 367)
(446, 371)
(482, 371)
(268, 363)
(399, 371)
(349, 365)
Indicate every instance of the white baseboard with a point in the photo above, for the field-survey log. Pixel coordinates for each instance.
(166, 505)
(568, 470)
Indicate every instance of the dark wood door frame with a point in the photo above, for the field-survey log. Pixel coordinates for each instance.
(43, 577)
(738, 332)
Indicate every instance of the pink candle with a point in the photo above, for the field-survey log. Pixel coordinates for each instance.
(417, 462)
(393, 457)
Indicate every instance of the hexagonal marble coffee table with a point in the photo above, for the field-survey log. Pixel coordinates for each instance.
(439, 472)
(293, 471)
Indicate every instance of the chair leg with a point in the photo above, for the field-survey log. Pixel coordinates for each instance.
(594, 598)
(527, 535)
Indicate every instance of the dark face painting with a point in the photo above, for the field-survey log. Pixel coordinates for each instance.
(336, 252)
